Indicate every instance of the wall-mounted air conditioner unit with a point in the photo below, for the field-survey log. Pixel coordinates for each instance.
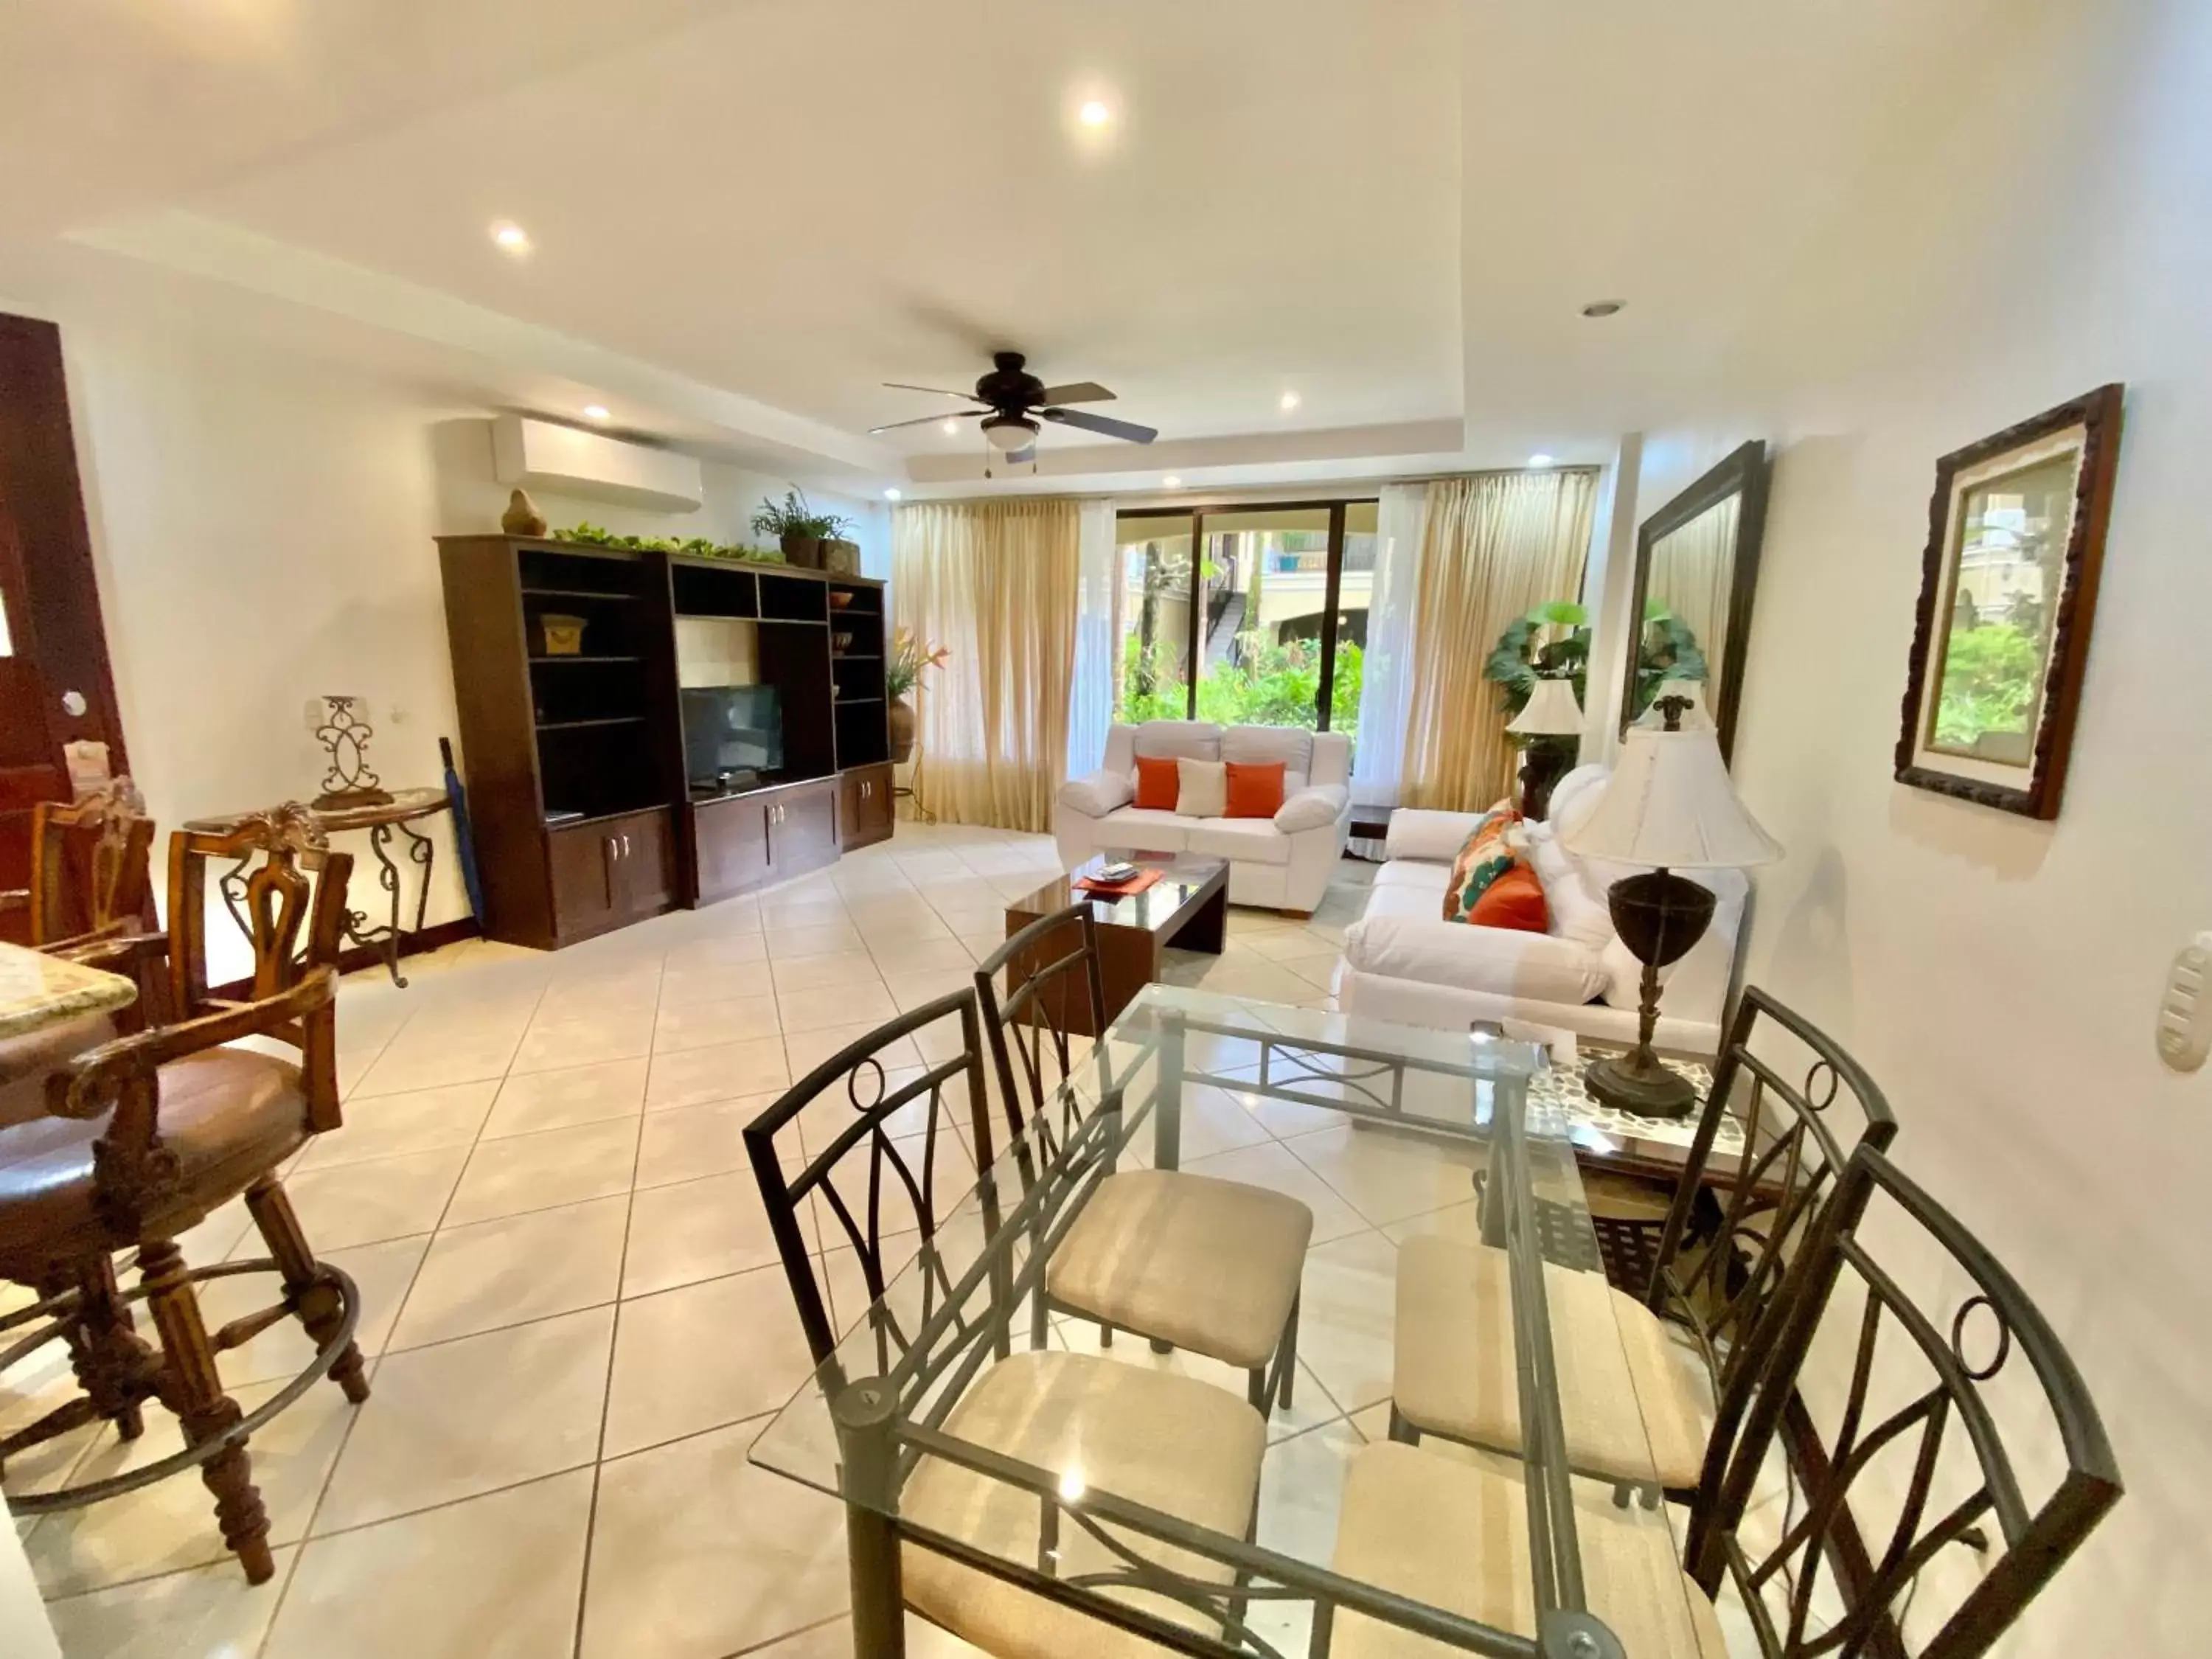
(563, 461)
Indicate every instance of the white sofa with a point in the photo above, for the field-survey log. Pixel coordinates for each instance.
(1403, 962)
(1284, 861)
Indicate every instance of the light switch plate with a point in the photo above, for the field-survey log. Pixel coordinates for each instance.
(2184, 1012)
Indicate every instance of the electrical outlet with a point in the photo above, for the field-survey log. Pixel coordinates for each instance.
(2184, 1012)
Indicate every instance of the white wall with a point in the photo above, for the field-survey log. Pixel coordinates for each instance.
(262, 524)
(2000, 976)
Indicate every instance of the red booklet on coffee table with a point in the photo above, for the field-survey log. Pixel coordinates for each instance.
(1135, 885)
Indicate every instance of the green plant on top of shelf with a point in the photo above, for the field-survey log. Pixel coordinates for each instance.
(794, 516)
(697, 547)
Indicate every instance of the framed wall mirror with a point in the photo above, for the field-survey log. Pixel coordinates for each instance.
(1697, 562)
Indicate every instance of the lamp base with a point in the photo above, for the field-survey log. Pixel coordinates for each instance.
(1637, 1081)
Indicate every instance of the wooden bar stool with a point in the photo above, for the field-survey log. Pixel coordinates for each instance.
(144, 1136)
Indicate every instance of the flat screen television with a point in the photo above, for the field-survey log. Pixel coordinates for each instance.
(732, 735)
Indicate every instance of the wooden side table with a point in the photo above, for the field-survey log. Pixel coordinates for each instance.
(383, 820)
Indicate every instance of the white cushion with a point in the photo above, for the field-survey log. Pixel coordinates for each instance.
(1417, 833)
(1099, 793)
(1172, 1443)
(1455, 1536)
(1141, 828)
(1430, 878)
(1506, 960)
(1576, 796)
(1263, 745)
(1332, 758)
(1204, 1263)
(1179, 739)
(1241, 840)
(1311, 809)
(1576, 914)
(1201, 788)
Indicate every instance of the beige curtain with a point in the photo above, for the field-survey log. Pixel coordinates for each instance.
(997, 583)
(1494, 545)
(1692, 573)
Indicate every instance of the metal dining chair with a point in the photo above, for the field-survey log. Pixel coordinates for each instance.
(943, 1341)
(1634, 1413)
(1185, 1260)
(1920, 1439)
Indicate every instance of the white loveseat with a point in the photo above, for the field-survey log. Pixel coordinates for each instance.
(1403, 962)
(1284, 861)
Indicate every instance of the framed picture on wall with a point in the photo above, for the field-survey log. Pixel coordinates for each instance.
(2007, 589)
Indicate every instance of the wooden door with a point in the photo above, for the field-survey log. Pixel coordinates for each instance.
(802, 831)
(55, 683)
(646, 867)
(864, 806)
(583, 861)
(732, 838)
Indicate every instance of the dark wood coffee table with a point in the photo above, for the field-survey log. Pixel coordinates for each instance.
(1187, 907)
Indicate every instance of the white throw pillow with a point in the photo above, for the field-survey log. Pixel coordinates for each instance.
(1310, 809)
(1201, 789)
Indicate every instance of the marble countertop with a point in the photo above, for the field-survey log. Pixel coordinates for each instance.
(37, 990)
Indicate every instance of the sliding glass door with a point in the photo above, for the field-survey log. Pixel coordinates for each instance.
(1269, 602)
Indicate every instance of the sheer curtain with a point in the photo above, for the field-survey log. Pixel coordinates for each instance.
(1378, 750)
(1091, 697)
(1692, 573)
(1493, 546)
(996, 583)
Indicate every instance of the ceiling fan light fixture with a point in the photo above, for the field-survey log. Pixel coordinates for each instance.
(1009, 432)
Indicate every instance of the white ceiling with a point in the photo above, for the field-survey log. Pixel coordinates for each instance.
(748, 215)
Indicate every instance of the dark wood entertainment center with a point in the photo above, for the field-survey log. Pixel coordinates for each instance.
(583, 816)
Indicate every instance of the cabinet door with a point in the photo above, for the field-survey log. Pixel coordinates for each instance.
(647, 866)
(585, 865)
(732, 843)
(865, 806)
(803, 828)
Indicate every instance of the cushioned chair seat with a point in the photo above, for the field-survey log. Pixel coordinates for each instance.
(1630, 1409)
(1254, 839)
(1206, 1264)
(1187, 1449)
(228, 1115)
(1455, 1536)
(1143, 829)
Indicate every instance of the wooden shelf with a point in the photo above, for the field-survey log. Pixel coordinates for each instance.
(579, 725)
(576, 593)
(855, 656)
(536, 660)
(841, 701)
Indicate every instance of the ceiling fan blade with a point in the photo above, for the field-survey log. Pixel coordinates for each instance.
(929, 420)
(1081, 392)
(901, 385)
(1135, 434)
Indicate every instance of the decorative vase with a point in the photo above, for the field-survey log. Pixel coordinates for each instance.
(902, 728)
(522, 517)
(841, 558)
(803, 551)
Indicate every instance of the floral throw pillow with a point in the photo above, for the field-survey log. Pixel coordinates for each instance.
(1483, 857)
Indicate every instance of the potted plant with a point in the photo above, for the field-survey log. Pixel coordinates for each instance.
(797, 527)
(901, 673)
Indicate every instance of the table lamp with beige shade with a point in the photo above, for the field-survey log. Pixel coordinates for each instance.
(1670, 805)
(1550, 711)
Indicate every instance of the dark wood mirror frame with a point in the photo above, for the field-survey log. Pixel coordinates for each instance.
(1743, 473)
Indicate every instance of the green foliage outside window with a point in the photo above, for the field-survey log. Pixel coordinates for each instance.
(1991, 676)
(1270, 684)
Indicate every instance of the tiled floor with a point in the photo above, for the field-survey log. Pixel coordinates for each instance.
(577, 1321)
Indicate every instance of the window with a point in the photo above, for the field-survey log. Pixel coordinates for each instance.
(1269, 601)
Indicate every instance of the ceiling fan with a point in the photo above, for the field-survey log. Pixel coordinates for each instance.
(1011, 397)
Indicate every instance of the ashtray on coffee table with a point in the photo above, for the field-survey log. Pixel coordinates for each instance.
(1188, 909)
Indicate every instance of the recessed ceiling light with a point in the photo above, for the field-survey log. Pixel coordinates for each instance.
(1094, 114)
(1288, 401)
(1172, 482)
(890, 494)
(1602, 307)
(953, 428)
(596, 412)
(1540, 460)
(510, 239)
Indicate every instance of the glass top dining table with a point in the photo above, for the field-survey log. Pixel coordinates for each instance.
(885, 1403)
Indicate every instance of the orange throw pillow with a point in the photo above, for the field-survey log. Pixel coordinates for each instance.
(1255, 791)
(1516, 899)
(1157, 784)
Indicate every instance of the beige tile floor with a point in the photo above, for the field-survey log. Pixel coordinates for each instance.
(576, 1315)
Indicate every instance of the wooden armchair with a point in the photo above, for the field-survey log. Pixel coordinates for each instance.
(90, 868)
(145, 1135)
